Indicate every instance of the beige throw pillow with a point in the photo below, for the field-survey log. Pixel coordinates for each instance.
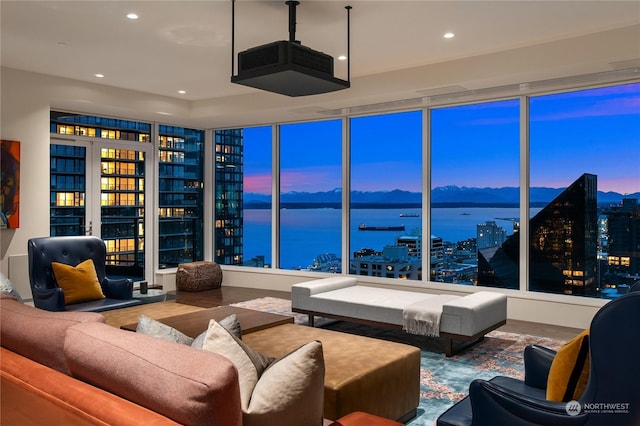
(284, 392)
(290, 392)
(249, 363)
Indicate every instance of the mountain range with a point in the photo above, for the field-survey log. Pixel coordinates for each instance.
(445, 195)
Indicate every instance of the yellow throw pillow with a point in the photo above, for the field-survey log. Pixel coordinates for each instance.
(569, 371)
(79, 283)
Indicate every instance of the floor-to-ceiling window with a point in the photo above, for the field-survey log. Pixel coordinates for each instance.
(243, 179)
(386, 196)
(585, 187)
(581, 156)
(475, 192)
(311, 196)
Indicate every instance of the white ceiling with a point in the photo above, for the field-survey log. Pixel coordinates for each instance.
(187, 44)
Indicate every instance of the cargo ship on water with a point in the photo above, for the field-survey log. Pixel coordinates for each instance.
(364, 227)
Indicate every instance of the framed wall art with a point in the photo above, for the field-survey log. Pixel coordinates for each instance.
(9, 184)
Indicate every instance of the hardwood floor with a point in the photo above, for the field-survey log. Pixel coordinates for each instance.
(228, 295)
(225, 296)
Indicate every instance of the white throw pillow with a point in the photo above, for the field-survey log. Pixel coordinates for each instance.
(231, 323)
(284, 392)
(290, 392)
(249, 363)
(7, 287)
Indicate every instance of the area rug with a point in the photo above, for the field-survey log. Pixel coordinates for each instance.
(443, 381)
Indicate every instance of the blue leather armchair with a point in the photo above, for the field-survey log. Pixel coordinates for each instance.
(614, 381)
(72, 250)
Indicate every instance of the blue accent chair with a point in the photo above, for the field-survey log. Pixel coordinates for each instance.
(614, 378)
(72, 250)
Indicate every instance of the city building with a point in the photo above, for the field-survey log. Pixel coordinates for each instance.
(180, 198)
(229, 190)
(490, 235)
(623, 227)
(563, 246)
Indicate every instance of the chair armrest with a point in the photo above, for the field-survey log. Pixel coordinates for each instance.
(121, 288)
(49, 299)
(496, 405)
(537, 363)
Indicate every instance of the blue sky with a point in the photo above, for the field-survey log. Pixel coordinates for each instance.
(591, 131)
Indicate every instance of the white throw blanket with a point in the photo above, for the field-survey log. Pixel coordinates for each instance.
(423, 317)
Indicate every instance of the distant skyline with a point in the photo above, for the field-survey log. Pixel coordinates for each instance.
(590, 131)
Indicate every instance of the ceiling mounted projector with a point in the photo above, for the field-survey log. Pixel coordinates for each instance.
(288, 67)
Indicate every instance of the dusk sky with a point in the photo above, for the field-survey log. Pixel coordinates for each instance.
(594, 131)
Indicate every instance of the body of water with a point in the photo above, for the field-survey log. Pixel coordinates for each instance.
(306, 233)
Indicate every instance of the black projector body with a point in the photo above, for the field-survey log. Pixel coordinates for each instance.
(288, 68)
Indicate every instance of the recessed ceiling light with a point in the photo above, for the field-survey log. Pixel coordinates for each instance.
(449, 35)
(182, 92)
(132, 16)
(99, 75)
(342, 58)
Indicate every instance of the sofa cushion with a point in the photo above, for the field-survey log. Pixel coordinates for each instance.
(38, 334)
(190, 386)
(569, 370)
(79, 283)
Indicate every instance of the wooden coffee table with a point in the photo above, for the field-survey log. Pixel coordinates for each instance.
(194, 323)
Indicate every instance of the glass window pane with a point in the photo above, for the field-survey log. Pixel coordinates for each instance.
(68, 189)
(257, 180)
(386, 196)
(228, 210)
(93, 126)
(180, 195)
(585, 186)
(310, 196)
(475, 194)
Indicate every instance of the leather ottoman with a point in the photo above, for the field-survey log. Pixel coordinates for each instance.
(361, 373)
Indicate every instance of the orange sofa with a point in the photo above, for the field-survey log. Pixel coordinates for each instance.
(72, 368)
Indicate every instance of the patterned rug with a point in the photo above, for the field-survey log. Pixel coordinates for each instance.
(443, 381)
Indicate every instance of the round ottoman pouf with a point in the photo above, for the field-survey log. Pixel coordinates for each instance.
(198, 276)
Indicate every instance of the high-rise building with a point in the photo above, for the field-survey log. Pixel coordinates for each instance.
(562, 247)
(623, 224)
(229, 206)
(489, 234)
(180, 195)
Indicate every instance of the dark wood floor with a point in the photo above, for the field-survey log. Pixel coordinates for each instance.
(228, 295)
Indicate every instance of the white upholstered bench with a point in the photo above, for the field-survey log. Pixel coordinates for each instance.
(464, 320)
